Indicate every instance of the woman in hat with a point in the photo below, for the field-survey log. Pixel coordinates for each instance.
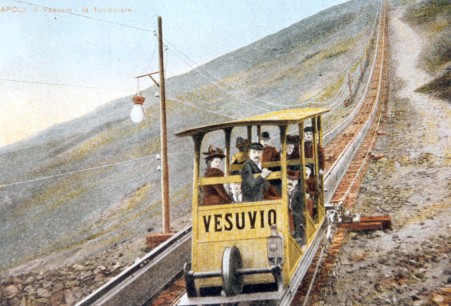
(214, 194)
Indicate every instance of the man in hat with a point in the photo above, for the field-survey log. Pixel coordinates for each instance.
(296, 204)
(214, 194)
(253, 187)
(269, 153)
(293, 151)
(243, 151)
(308, 148)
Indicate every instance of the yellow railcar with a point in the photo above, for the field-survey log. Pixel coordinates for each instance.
(246, 251)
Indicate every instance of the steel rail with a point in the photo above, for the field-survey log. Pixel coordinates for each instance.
(143, 279)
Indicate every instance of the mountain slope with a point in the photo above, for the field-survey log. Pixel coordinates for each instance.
(117, 196)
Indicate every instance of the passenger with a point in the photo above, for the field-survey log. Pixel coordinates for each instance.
(296, 204)
(255, 188)
(214, 194)
(308, 148)
(243, 147)
(236, 195)
(293, 147)
(270, 154)
(293, 151)
(312, 190)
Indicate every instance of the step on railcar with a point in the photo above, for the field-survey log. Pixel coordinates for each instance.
(248, 251)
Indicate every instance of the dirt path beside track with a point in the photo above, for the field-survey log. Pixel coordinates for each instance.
(410, 264)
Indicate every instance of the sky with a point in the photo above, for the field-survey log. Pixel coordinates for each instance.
(60, 59)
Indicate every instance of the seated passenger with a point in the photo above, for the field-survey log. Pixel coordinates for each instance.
(293, 151)
(255, 188)
(311, 184)
(235, 192)
(312, 189)
(296, 204)
(308, 148)
(214, 194)
(270, 154)
(243, 147)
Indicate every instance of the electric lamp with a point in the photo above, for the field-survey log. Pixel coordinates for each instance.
(137, 112)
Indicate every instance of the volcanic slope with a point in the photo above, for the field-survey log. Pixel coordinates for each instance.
(87, 212)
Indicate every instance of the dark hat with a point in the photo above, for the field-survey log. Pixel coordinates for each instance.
(308, 128)
(213, 152)
(265, 135)
(256, 146)
(241, 142)
(293, 175)
(292, 139)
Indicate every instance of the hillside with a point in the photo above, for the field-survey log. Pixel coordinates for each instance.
(432, 18)
(117, 197)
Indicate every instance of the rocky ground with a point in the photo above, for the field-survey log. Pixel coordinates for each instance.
(65, 279)
(409, 264)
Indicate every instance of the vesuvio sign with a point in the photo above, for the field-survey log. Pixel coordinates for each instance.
(244, 220)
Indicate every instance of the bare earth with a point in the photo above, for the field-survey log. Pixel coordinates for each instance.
(410, 264)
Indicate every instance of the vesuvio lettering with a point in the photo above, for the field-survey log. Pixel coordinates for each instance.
(239, 220)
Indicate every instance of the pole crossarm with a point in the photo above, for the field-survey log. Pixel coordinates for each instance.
(150, 76)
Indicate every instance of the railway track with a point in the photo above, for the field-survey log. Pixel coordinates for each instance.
(156, 278)
(347, 190)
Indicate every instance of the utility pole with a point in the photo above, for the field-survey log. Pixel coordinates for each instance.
(163, 136)
(154, 239)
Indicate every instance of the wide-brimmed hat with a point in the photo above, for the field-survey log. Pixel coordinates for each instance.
(256, 146)
(241, 142)
(293, 175)
(265, 136)
(292, 139)
(213, 152)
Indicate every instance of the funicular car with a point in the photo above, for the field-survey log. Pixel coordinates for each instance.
(246, 251)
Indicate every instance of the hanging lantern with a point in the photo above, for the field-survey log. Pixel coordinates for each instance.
(138, 99)
(137, 113)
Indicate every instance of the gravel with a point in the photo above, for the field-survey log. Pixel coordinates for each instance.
(409, 264)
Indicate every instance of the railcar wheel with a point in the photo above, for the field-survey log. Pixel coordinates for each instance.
(189, 280)
(231, 261)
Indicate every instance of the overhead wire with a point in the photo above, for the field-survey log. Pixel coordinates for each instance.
(199, 108)
(183, 57)
(61, 84)
(83, 170)
(219, 79)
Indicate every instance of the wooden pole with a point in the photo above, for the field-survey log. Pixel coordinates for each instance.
(163, 135)
(249, 133)
(259, 133)
(228, 133)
